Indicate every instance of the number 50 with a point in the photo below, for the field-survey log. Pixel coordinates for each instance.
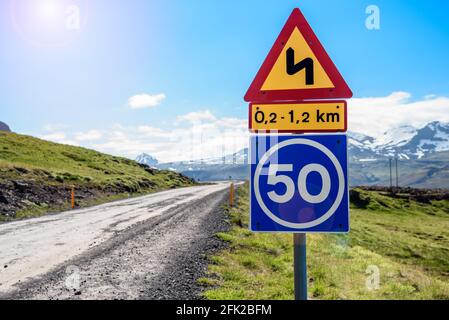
(274, 178)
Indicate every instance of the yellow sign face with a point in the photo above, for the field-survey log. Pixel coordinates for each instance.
(297, 68)
(299, 117)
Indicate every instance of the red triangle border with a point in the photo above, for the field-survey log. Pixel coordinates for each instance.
(341, 90)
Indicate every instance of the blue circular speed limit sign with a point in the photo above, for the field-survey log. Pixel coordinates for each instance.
(299, 183)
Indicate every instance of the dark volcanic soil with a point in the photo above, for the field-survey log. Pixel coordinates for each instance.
(420, 195)
(16, 195)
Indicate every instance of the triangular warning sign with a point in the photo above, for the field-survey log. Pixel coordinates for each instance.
(297, 68)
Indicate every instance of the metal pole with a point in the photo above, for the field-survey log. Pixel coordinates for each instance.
(391, 176)
(300, 266)
(397, 174)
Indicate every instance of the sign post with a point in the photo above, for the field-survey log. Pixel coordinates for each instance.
(300, 265)
(298, 180)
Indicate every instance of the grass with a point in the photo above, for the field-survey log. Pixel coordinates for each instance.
(406, 241)
(63, 163)
(44, 163)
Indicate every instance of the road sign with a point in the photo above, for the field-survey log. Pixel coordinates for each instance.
(319, 116)
(297, 67)
(299, 183)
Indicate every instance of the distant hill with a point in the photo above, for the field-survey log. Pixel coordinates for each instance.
(146, 159)
(36, 176)
(4, 127)
(231, 166)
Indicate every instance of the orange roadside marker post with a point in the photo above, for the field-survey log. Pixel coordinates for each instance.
(73, 197)
(231, 195)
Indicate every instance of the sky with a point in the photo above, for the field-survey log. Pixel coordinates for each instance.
(168, 77)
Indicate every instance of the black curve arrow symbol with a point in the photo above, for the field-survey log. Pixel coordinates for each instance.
(293, 68)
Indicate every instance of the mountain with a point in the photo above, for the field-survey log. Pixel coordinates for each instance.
(360, 146)
(422, 153)
(432, 138)
(405, 142)
(4, 127)
(146, 159)
(240, 157)
(230, 166)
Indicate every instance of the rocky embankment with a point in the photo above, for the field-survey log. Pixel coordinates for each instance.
(50, 193)
(421, 195)
(4, 127)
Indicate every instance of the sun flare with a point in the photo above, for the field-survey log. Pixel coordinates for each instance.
(47, 9)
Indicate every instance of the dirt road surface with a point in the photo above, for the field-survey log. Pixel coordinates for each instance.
(151, 247)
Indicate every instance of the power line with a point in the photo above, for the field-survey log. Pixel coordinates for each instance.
(223, 155)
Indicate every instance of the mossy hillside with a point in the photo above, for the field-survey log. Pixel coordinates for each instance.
(46, 167)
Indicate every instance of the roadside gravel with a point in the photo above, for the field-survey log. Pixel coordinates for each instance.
(159, 258)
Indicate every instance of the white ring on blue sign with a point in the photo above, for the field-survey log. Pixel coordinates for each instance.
(338, 198)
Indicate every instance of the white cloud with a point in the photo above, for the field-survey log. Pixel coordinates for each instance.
(201, 134)
(55, 136)
(90, 135)
(197, 116)
(430, 96)
(144, 100)
(51, 127)
(59, 137)
(373, 116)
(152, 132)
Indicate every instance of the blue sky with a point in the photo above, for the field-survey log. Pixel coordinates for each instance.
(202, 56)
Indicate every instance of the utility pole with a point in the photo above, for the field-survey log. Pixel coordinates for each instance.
(397, 174)
(192, 152)
(201, 150)
(234, 156)
(391, 176)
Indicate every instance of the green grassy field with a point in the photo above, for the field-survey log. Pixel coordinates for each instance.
(42, 163)
(406, 241)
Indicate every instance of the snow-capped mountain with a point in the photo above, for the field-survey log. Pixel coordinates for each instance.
(234, 159)
(360, 146)
(432, 138)
(146, 159)
(395, 137)
(239, 157)
(405, 142)
(423, 154)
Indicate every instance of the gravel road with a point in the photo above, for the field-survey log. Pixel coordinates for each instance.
(151, 247)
